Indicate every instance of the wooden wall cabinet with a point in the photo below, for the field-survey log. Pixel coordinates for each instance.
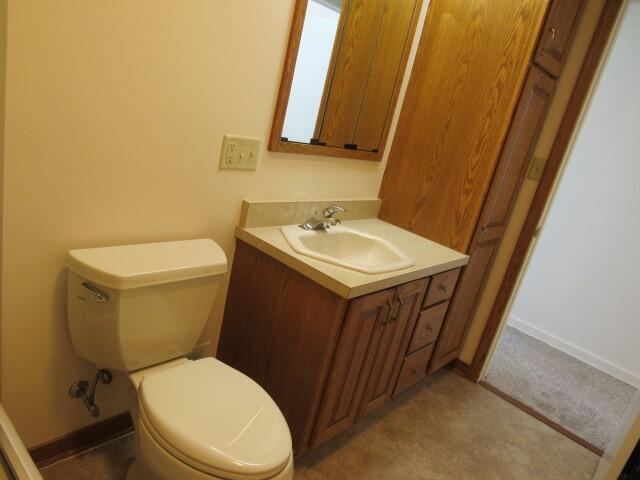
(454, 171)
(325, 360)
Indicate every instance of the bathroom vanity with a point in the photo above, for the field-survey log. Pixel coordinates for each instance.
(329, 344)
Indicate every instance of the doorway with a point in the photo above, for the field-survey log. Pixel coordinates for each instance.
(569, 351)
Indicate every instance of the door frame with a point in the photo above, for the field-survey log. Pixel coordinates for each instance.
(596, 53)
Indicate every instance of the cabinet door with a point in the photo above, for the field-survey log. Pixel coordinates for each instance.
(514, 159)
(396, 333)
(557, 35)
(353, 360)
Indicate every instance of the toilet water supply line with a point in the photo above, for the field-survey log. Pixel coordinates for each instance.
(81, 389)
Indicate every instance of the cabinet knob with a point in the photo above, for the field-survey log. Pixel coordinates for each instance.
(442, 288)
(552, 31)
(430, 331)
(415, 371)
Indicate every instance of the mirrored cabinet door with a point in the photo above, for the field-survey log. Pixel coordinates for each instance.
(344, 68)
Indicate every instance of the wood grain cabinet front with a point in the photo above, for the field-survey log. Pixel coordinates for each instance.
(557, 36)
(281, 330)
(368, 358)
(441, 287)
(514, 160)
(361, 335)
(414, 369)
(428, 326)
(396, 334)
(325, 360)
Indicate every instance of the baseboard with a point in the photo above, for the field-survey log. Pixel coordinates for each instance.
(81, 440)
(570, 349)
(461, 368)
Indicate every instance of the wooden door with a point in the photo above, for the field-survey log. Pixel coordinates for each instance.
(396, 333)
(559, 29)
(518, 149)
(353, 361)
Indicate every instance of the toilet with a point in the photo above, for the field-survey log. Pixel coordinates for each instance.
(140, 309)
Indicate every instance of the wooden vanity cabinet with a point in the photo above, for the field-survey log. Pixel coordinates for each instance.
(374, 338)
(281, 329)
(325, 360)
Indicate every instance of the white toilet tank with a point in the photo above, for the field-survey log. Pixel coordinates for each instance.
(133, 306)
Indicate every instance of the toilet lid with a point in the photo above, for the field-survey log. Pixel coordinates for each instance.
(218, 417)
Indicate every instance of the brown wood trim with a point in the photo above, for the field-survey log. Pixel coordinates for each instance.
(461, 368)
(538, 416)
(275, 138)
(277, 145)
(81, 440)
(571, 117)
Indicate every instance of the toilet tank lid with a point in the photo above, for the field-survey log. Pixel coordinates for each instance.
(134, 266)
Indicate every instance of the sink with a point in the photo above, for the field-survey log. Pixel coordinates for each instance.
(346, 247)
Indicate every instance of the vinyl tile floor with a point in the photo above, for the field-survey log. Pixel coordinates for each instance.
(444, 429)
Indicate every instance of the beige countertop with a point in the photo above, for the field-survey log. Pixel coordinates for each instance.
(429, 257)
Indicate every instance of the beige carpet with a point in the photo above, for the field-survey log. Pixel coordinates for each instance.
(577, 396)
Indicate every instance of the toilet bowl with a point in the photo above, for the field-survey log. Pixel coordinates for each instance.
(201, 419)
(140, 309)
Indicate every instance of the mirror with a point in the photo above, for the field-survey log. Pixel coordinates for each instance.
(342, 76)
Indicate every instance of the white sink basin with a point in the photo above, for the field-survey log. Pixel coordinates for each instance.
(347, 248)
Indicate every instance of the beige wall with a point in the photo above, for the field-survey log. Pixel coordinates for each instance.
(564, 88)
(114, 118)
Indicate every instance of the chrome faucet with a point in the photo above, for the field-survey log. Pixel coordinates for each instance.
(327, 222)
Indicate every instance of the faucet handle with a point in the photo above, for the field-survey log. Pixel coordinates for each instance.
(333, 209)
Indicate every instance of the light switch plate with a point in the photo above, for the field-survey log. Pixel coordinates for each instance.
(240, 153)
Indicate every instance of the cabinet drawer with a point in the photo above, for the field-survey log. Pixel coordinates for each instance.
(441, 287)
(428, 327)
(414, 369)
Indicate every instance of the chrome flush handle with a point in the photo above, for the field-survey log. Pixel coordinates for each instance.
(96, 294)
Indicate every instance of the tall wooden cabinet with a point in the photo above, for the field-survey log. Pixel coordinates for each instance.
(518, 149)
(467, 76)
(478, 96)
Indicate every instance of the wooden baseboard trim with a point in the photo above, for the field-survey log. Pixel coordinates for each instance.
(461, 368)
(81, 440)
(538, 416)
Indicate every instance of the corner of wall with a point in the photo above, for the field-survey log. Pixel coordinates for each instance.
(3, 76)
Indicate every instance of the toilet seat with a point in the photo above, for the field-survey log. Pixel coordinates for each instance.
(215, 420)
